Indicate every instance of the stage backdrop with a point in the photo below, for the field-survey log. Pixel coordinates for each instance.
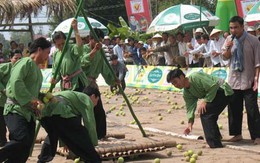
(147, 77)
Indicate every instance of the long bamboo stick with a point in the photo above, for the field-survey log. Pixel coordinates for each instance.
(114, 76)
(57, 69)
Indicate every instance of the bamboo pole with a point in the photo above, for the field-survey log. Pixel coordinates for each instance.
(57, 70)
(114, 76)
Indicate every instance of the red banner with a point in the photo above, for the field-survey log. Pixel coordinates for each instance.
(243, 6)
(139, 14)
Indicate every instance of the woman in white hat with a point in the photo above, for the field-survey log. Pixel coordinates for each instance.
(218, 42)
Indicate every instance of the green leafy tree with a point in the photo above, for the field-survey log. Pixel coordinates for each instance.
(21, 37)
(6, 44)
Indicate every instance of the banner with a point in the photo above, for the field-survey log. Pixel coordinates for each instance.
(148, 77)
(139, 14)
(243, 6)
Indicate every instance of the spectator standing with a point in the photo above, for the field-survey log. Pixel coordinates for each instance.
(243, 50)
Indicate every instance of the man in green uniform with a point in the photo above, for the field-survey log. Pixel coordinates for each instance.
(215, 93)
(5, 71)
(93, 64)
(21, 109)
(70, 73)
(64, 111)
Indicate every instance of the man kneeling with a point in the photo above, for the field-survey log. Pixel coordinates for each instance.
(62, 120)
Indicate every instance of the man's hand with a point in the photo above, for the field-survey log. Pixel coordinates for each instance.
(98, 46)
(255, 86)
(188, 129)
(37, 106)
(118, 82)
(74, 24)
(202, 108)
(229, 45)
(53, 81)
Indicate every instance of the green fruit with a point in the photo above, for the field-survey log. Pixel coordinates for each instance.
(194, 156)
(185, 154)
(169, 111)
(45, 100)
(220, 126)
(169, 153)
(77, 160)
(120, 160)
(48, 95)
(190, 152)
(122, 113)
(179, 147)
(160, 118)
(192, 160)
(199, 153)
(187, 159)
(117, 113)
(40, 106)
(157, 160)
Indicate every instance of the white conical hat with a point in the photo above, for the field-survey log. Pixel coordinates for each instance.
(157, 36)
(214, 31)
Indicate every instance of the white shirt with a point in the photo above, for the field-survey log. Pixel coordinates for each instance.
(182, 48)
(118, 50)
(218, 44)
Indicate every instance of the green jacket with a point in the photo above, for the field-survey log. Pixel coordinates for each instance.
(95, 66)
(69, 65)
(74, 104)
(5, 71)
(24, 86)
(202, 86)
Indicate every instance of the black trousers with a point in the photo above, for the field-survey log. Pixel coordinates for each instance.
(210, 118)
(72, 133)
(235, 113)
(2, 128)
(100, 117)
(21, 135)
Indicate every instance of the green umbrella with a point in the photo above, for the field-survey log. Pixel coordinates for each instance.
(82, 26)
(182, 16)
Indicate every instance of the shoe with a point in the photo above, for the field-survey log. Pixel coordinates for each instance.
(257, 141)
(236, 138)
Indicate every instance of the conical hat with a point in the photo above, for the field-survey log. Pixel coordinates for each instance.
(214, 31)
(157, 36)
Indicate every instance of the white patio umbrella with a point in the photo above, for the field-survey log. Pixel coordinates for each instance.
(254, 14)
(182, 16)
(82, 26)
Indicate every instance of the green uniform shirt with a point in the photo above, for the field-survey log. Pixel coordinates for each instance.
(24, 85)
(5, 71)
(93, 67)
(74, 104)
(202, 86)
(69, 65)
